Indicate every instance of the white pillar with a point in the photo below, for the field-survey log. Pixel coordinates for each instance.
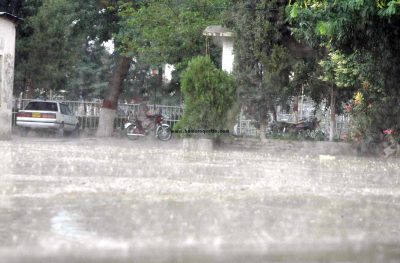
(7, 55)
(227, 54)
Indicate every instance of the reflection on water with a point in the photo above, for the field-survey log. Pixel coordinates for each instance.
(66, 225)
(68, 232)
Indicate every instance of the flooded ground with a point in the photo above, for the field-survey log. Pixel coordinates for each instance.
(114, 200)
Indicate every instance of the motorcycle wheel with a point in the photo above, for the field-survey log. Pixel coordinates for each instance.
(132, 129)
(164, 133)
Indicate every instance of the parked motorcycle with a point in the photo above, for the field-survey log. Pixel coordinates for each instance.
(306, 126)
(134, 129)
(281, 127)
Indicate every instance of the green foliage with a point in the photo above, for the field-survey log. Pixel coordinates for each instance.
(340, 69)
(158, 32)
(388, 8)
(263, 63)
(91, 73)
(208, 93)
(53, 48)
(10, 6)
(364, 54)
(167, 31)
(47, 51)
(59, 46)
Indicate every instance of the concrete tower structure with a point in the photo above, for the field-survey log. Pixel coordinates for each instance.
(223, 38)
(7, 57)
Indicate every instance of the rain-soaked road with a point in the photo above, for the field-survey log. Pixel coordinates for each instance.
(114, 200)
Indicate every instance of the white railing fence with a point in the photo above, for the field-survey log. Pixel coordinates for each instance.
(88, 112)
(88, 115)
(247, 127)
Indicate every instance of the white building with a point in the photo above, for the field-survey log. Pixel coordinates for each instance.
(7, 55)
(223, 38)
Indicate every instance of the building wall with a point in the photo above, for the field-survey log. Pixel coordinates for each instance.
(7, 55)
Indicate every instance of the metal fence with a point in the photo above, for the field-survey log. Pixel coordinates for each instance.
(342, 125)
(246, 127)
(88, 115)
(88, 112)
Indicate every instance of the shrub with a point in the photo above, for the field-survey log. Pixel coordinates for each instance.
(372, 114)
(208, 93)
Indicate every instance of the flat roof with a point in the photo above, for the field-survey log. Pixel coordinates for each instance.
(9, 16)
(217, 31)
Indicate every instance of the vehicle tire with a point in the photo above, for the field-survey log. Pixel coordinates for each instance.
(164, 133)
(132, 129)
(60, 131)
(23, 132)
(75, 132)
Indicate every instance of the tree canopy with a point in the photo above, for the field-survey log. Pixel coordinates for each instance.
(362, 37)
(281, 47)
(263, 61)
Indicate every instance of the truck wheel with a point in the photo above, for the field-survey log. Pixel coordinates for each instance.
(60, 131)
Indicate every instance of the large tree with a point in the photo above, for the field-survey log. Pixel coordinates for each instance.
(91, 73)
(170, 31)
(365, 33)
(155, 32)
(11, 6)
(109, 26)
(50, 52)
(262, 53)
(53, 38)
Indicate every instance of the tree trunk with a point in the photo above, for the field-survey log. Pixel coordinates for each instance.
(30, 89)
(263, 128)
(274, 113)
(333, 115)
(296, 109)
(110, 103)
(263, 121)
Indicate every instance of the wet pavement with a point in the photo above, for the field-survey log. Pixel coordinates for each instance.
(115, 200)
